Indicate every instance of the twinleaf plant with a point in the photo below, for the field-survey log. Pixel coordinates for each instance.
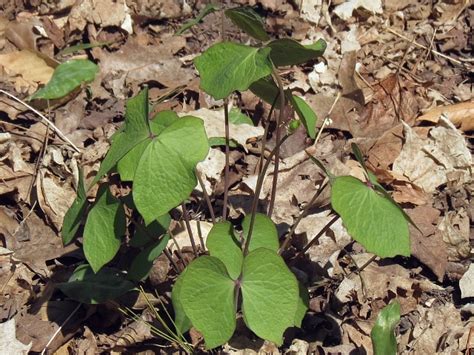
(242, 274)
(206, 295)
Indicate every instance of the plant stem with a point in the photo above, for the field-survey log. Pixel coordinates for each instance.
(277, 78)
(303, 214)
(227, 160)
(258, 189)
(178, 249)
(265, 133)
(317, 236)
(171, 260)
(206, 197)
(188, 227)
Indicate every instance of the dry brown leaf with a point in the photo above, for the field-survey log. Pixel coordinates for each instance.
(103, 13)
(439, 330)
(460, 114)
(428, 163)
(26, 70)
(135, 64)
(214, 125)
(54, 197)
(454, 228)
(428, 246)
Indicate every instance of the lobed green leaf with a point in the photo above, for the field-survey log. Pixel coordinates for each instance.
(207, 297)
(165, 173)
(269, 295)
(227, 66)
(222, 244)
(264, 233)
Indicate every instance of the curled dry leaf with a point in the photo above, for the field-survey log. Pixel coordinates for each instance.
(466, 284)
(54, 197)
(460, 114)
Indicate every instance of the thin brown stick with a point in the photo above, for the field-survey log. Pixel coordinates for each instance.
(265, 134)
(206, 197)
(188, 228)
(43, 117)
(178, 249)
(171, 260)
(424, 47)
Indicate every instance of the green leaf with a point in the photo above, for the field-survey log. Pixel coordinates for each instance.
(320, 165)
(66, 77)
(249, 21)
(306, 115)
(264, 233)
(303, 304)
(383, 332)
(104, 229)
(237, 117)
(88, 287)
(136, 130)
(210, 8)
(267, 90)
(146, 234)
(207, 297)
(127, 166)
(269, 293)
(227, 66)
(82, 46)
(371, 219)
(75, 213)
(222, 244)
(220, 141)
(143, 262)
(165, 174)
(181, 321)
(286, 51)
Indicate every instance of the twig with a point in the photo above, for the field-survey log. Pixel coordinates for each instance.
(43, 117)
(206, 197)
(188, 227)
(424, 47)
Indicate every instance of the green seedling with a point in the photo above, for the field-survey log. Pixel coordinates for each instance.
(383, 332)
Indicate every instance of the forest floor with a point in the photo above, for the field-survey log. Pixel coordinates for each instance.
(402, 73)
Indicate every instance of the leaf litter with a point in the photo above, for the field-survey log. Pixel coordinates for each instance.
(401, 68)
